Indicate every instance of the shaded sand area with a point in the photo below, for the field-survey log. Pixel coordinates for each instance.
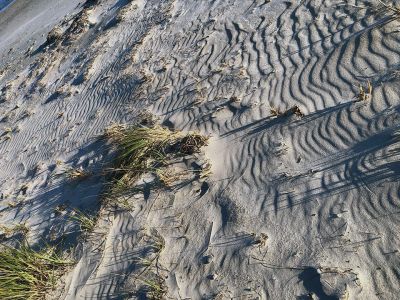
(4, 4)
(295, 195)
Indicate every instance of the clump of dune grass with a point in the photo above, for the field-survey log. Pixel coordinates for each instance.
(77, 174)
(54, 35)
(191, 143)
(152, 284)
(391, 8)
(115, 132)
(168, 177)
(86, 222)
(119, 191)
(10, 231)
(365, 93)
(385, 8)
(275, 112)
(16, 203)
(205, 170)
(154, 288)
(143, 149)
(139, 147)
(171, 177)
(294, 110)
(28, 274)
(158, 241)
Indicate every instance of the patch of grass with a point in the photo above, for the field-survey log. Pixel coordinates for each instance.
(152, 284)
(191, 143)
(365, 93)
(8, 130)
(143, 262)
(158, 241)
(29, 274)
(391, 7)
(155, 288)
(77, 174)
(86, 222)
(10, 231)
(16, 203)
(142, 147)
(115, 132)
(205, 170)
(119, 191)
(171, 177)
(120, 186)
(122, 13)
(146, 118)
(294, 110)
(168, 177)
(54, 35)
(146, 149)
(24, 188)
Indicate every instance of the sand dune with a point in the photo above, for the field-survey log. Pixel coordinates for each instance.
(300, 100)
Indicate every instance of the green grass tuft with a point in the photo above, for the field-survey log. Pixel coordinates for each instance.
(86, 222)
(142, 150)
(10, 231)
(28, 274)
(390, 7)
(141, 147)
(155, 288)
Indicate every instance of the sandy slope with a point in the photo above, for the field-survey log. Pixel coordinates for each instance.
(298, 206)
(4, 4)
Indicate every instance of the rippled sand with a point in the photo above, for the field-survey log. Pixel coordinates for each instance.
(301, 103)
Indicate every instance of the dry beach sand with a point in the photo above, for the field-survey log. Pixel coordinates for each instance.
(299, 99)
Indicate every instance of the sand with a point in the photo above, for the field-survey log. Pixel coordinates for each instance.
(4, 4)
(303, 199)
